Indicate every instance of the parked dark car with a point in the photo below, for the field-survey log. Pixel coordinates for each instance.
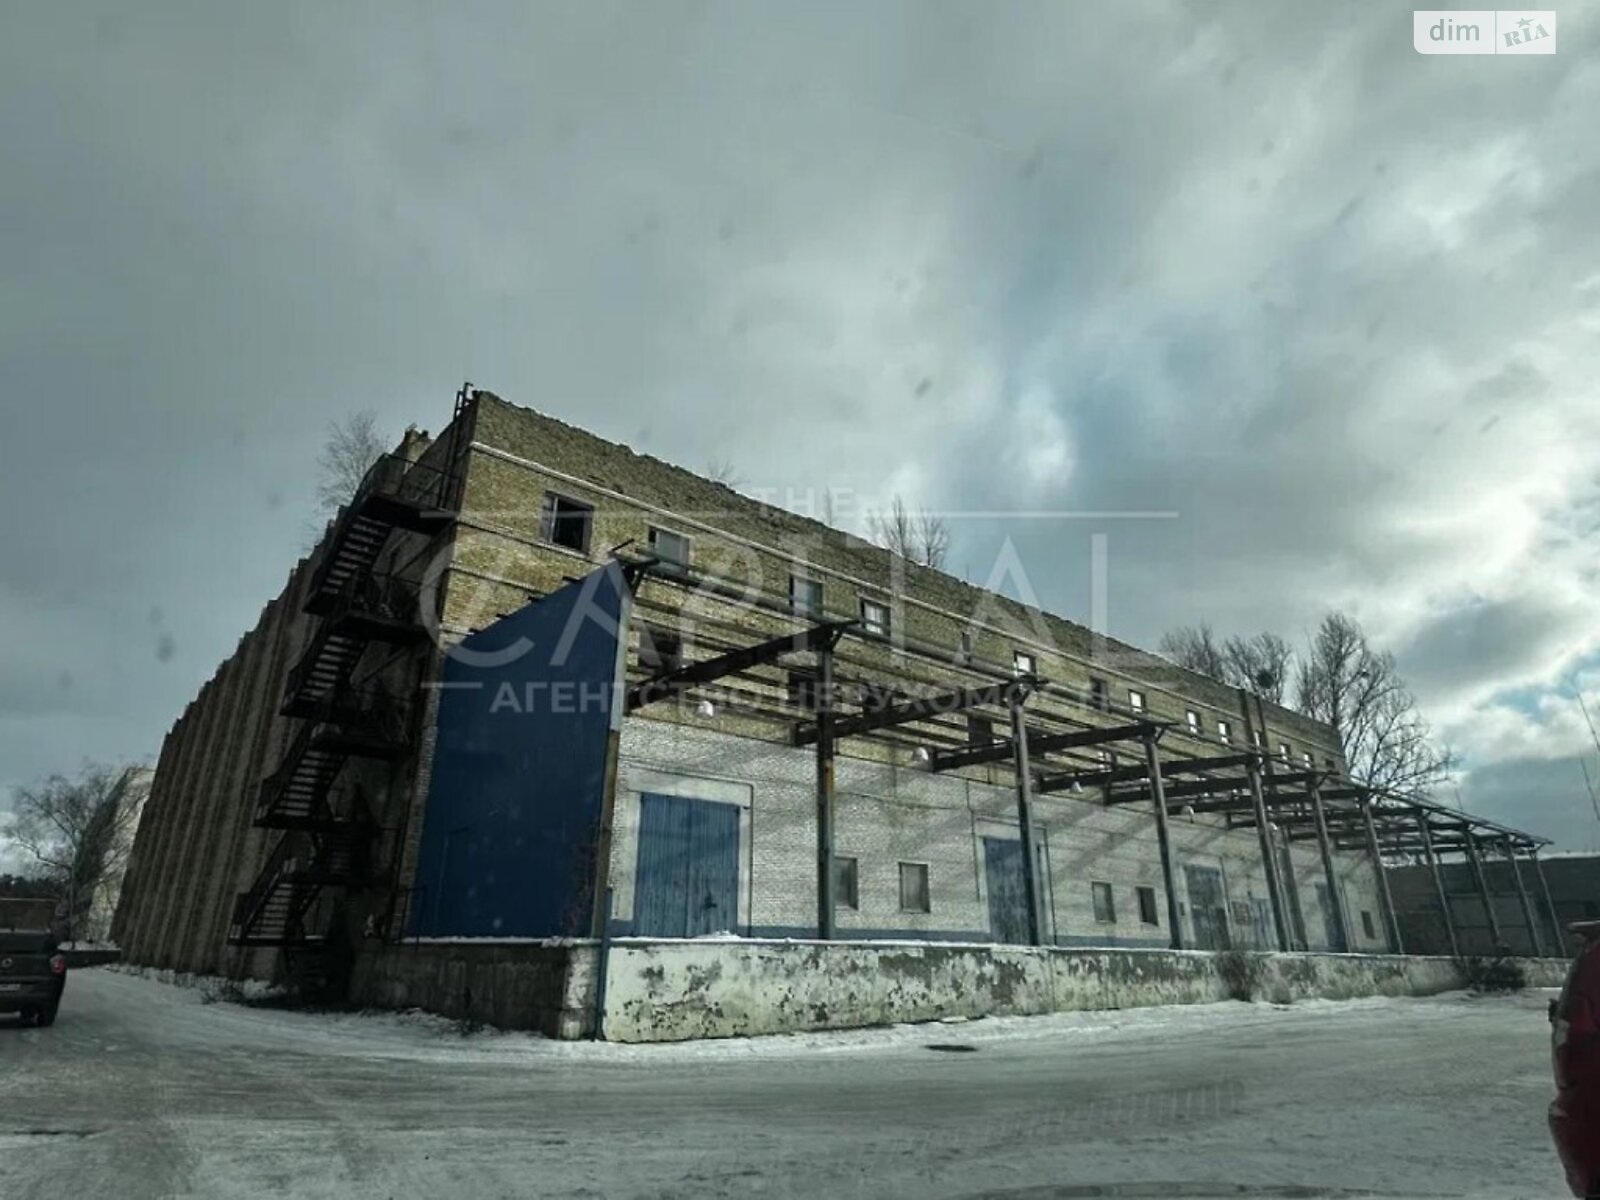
(33, 971)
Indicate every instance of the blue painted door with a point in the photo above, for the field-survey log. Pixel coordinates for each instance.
(1008, 897)
(1208, 908)
(686, 882)
(1330, 927)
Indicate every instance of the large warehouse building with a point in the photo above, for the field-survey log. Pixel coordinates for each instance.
(532, 684)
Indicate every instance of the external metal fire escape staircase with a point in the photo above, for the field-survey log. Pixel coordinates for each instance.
(328, 830)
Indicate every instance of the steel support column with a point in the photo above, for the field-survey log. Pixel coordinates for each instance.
(825, 897)
(1335, 894)
(1264, 837)
(1385, 900)
(1438, 884)
(1152, 760)
(1549, 905)
(1495, 937)
(1537, 942)
(1030, 882)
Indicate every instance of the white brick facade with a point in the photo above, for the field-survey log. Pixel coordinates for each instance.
(886, 814)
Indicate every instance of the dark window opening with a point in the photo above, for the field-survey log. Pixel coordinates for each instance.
(565, 522)
(914, 888)
(1366, 924)
(805, 595)
(874, 618)
(845, 894)
(1099, 695)
(803, 690)
(1147, 907)
(660, 649)
(1105, 904)
(980, 730)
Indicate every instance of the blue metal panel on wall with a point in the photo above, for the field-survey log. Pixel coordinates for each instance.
(686, 883)
(1008, 895)
(514, 801)
(713, 868)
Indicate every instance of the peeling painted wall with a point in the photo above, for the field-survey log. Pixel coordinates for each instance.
(662, 991)
(669, 991)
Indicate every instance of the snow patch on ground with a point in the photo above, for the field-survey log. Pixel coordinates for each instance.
(414, 1034)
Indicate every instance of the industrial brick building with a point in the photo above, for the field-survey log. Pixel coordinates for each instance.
(532, 684)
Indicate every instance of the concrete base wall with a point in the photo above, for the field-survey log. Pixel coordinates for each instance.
(661, 991)
(546, 988)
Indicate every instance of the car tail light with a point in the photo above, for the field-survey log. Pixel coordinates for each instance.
(58, 965)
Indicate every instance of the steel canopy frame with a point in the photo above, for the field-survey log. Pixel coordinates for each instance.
(1380, 820)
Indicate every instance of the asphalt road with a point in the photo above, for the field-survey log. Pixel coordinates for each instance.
(142, 1090)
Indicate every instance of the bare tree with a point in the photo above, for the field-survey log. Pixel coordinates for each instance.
(353, 445)
(77, 829)
(1195, 648)
(1261, 664)
(722, 470)
(1357, 690)
(921, 537)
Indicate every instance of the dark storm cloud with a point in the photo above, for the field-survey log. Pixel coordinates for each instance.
(1331, 302)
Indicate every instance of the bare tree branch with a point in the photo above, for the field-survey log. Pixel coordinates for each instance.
(76, 829)
(722, 470)
(353, 445)
(1195, 648)
(1357, 690)
(921, 537)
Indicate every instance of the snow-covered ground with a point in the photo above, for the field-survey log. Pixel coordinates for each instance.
(147, 1089)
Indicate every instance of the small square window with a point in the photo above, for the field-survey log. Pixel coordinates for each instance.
(1099, 694)
(671, 548)
(1306, 758)
(1024, 663)
(660, 649)
(914, 888)
(874, 618)
(1255, 737)
(1105, 905)
(564, 521)
(1135, 700)
(964, 654)
(844, 882)
(1283, 751)
(1147, 907)
(980, 730)
(1366, 924)
(1224, 733)
(805, 595)
(1193, 718)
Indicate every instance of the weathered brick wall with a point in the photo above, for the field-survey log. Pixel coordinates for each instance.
(500, 561)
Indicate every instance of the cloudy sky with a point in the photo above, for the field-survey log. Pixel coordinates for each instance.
(1334, 304)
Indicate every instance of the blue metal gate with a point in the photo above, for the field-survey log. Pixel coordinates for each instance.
(1008, 896)
(1207, 908)
(1330, 927)
(686, 883)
